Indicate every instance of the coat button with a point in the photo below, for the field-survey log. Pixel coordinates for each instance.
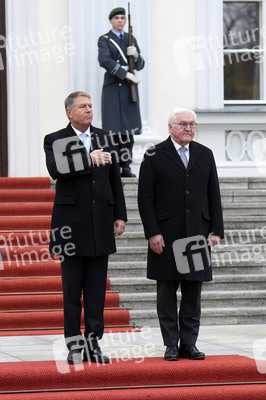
(93, 201)
(120, 84)
(93, 181)
(187, 191)
(188, 210)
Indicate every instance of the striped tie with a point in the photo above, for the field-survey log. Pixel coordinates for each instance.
(183, 156)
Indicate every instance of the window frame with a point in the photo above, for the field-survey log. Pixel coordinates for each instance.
(262, 82)
(210, 77)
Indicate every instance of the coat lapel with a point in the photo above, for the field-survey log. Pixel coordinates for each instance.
(194, 153)
(171, 153)
(94, 139)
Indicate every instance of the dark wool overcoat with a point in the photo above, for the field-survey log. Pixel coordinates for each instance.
(88, 198)
(178, 203)
(119, 113)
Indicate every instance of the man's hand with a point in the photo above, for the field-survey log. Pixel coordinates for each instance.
(100, 157)
(131, 77)
(213, 240)
(157, 244)
(119, 227)
(132, 51)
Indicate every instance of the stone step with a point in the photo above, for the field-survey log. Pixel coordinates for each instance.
(237, 282)
(244, 236)
(139, 268)
(209, 316)
(230, 222)
(227, 254)
(243, 196)
(220, 282)
(134, 225)
(239, 209)
(232, 236)
(228, 209)
(126, 269)
(131, 239)
(217, 299)
(225, 183)
(237, 267)
(227, 195)
(132, 284)
(138, 253)
(242, 183)
(244, 208)
(132, 210)
(244, 222)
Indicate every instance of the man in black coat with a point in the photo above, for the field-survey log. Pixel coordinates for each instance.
(180, 206)
(120, 115)
(89, 212)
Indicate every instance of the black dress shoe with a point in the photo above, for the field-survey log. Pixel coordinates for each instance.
(94, 354)
(171, 353)
(74, 357)
(191, 352)
(126, 173)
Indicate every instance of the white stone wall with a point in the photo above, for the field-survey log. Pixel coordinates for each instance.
(173, 75)
(52, 50)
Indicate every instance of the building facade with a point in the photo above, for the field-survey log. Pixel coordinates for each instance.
(208, 55)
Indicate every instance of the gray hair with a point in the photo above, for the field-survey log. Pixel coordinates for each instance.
(180, 110)
(71, 98)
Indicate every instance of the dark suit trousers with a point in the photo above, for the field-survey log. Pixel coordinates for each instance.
(87, 275)
(182, 325)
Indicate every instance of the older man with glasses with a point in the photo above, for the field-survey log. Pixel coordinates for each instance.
(180, 206)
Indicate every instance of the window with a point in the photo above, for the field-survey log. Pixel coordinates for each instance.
(243, 52)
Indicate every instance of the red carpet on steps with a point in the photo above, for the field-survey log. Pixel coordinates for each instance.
(25, 183)
(241, 392)
(217, 377)
(30, 284)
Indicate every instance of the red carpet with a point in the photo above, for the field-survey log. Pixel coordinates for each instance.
(45, 301)
(217, 377)
(15, 269)
(25, 183)
(40, 196)
(30, 282)
(22, 223)
(26, 209)
(254, 392)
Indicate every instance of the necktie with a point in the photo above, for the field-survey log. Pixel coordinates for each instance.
(183, 156)
(121, 36)
(86, 141)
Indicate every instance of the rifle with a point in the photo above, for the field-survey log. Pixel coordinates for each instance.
(131, 62)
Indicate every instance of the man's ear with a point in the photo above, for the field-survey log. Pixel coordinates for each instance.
(68, 112)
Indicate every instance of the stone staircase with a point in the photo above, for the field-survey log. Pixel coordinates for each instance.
(237, 294)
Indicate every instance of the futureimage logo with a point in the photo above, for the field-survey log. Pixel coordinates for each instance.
(191, 254)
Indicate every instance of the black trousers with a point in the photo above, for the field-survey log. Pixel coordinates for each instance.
(85, 275)
(183, 325)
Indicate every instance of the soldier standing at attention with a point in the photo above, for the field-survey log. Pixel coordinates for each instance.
(120, 114)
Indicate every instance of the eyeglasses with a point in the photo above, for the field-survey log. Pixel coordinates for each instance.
(183, 125)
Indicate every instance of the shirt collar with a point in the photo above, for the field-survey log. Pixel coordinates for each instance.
(88, 131)
(178, 146)
(118, 33)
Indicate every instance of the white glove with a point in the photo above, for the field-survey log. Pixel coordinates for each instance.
(125, 67)
(132, 77)
(132, 51)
